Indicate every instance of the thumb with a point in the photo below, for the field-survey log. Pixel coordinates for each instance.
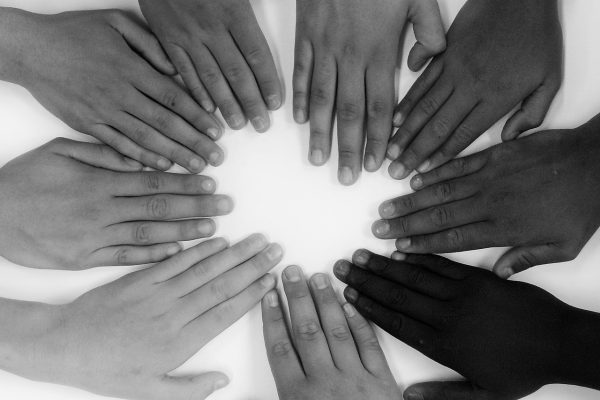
(449, 391)
(532, 112)
(429, 31)
(518, 259)
(197, 387)
(97, 155)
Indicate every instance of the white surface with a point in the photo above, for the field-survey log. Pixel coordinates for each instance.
(302, 207)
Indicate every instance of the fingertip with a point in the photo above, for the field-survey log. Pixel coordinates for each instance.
(346, 176)
(351, 295)
(317, 157)
(398, 171)
(371, 164)
(361, 257)
(381, 229)
(300, 116)
(341, 269)
(397, 256)
(503, 270)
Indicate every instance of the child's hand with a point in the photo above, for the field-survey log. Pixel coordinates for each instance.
(72, 205)
(329, 353)
(500, 53)
(346, 56)
(222, 56)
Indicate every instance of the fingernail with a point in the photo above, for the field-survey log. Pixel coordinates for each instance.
(413, 395)
(208, 185)
(208, 106)
(257, 240)
(171, 251)
(398, 119)
(403, 244)
(321, 281)
(236, 121)
(506, 272)
(398, 171)
(361, 257)
(425, 167)
(268, 281)
(221, 383)
(272, 299)
(381, 228)
(387, 209)
(293, 274)
(317, 157)
(299, 116)
(349, 310)
(417, 182)
(274, 252)
(260, 124)
(346, 176)
(225, 205)
(196, 164)
(342, 269)
(393, 151)
(397, 256)
(213, 133)
(215, 159)
(273, 102)
(370, 163)
(205, 227)
(351, 294)
(164, 164)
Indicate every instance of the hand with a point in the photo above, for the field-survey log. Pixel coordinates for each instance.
(222, 55)
(504, 336)
(538, 195)
(67, 205)
(126, 338)
(104, 74)
(346, 56)
(331, 354)
(500, 53)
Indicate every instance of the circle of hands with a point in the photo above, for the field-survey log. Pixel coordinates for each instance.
(149, 93)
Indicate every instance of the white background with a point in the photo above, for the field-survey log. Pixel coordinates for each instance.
(304, 208)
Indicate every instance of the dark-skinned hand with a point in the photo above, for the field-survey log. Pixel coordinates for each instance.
(538, 195)
(501, 53)
(507, 338)
(222, 55)
(346, 57)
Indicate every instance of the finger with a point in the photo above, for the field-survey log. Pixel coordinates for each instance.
(457, 168)
(309, 338)
(144, 42)
(435, 133)
(242, 82)
(449, 391)
(187, 70)
(212, 267)
(283, 359)
(422, 113)
(419, 89)
(473, 126)
(369, 349)
(470, 237)
(189, 387)
(127, 147)
(147, 233)
(149, 138)
(532, 112)
(322, 99)
(436, 264)
(438, 194)
(253, 45)
(96, 155)
(341, 345)
(303, 69)
(414, 333)
(350, 121)
(213, 80)
(380, 99)
(149, 183)
(132, 255)
(169, 207)
(228, 285)
(391, 295)
(429, 31)
(518, 259)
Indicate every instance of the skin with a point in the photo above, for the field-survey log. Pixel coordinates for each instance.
(507, 338)
(537, 195)
(72, 205)
(330, 352)
(501, 54)
(105, 75)
(222, 55)
(124, 339)
(345, 64)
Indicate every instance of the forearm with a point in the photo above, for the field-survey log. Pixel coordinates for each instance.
(16, 31)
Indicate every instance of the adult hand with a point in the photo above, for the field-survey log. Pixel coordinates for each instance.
(126, 338)
(500, 53)
(222, 56)
(505, 337)
(538, 195)
(77, 205)
(330, 354)
(104, 74)
(346, 57)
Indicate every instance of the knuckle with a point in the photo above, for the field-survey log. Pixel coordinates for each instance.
(320, 97)
(340, 333)
(349, 112)
(141, 136)
(397, 297)
(252, 105)
(157, 207)
(235, 73)
(200, 271)
(282, 349)
(121, 257)
(163, 120)
(210, 76)
(219, 290)
(142, 233)
(255, 57)
(308, 331)
(444, 191)
(377, 109)
(170, 98)
(455, 238)
(429, 105)
(349, 50)
(440, 216)
(407, 203)
(462, 138)
(440, 128)
(459, 166)
(416, 277)
(152, 181)
(397, 325)
(403, 226)
(346, 153)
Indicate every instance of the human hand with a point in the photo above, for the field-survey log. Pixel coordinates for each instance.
(537, 195)
(346, 56)
(126, 338)
(104, 74)
(500, 53)
(505, 337)
(222, 56)
(72, 205)
(330, 353)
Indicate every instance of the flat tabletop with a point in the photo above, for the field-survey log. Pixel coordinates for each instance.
(317, 221)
